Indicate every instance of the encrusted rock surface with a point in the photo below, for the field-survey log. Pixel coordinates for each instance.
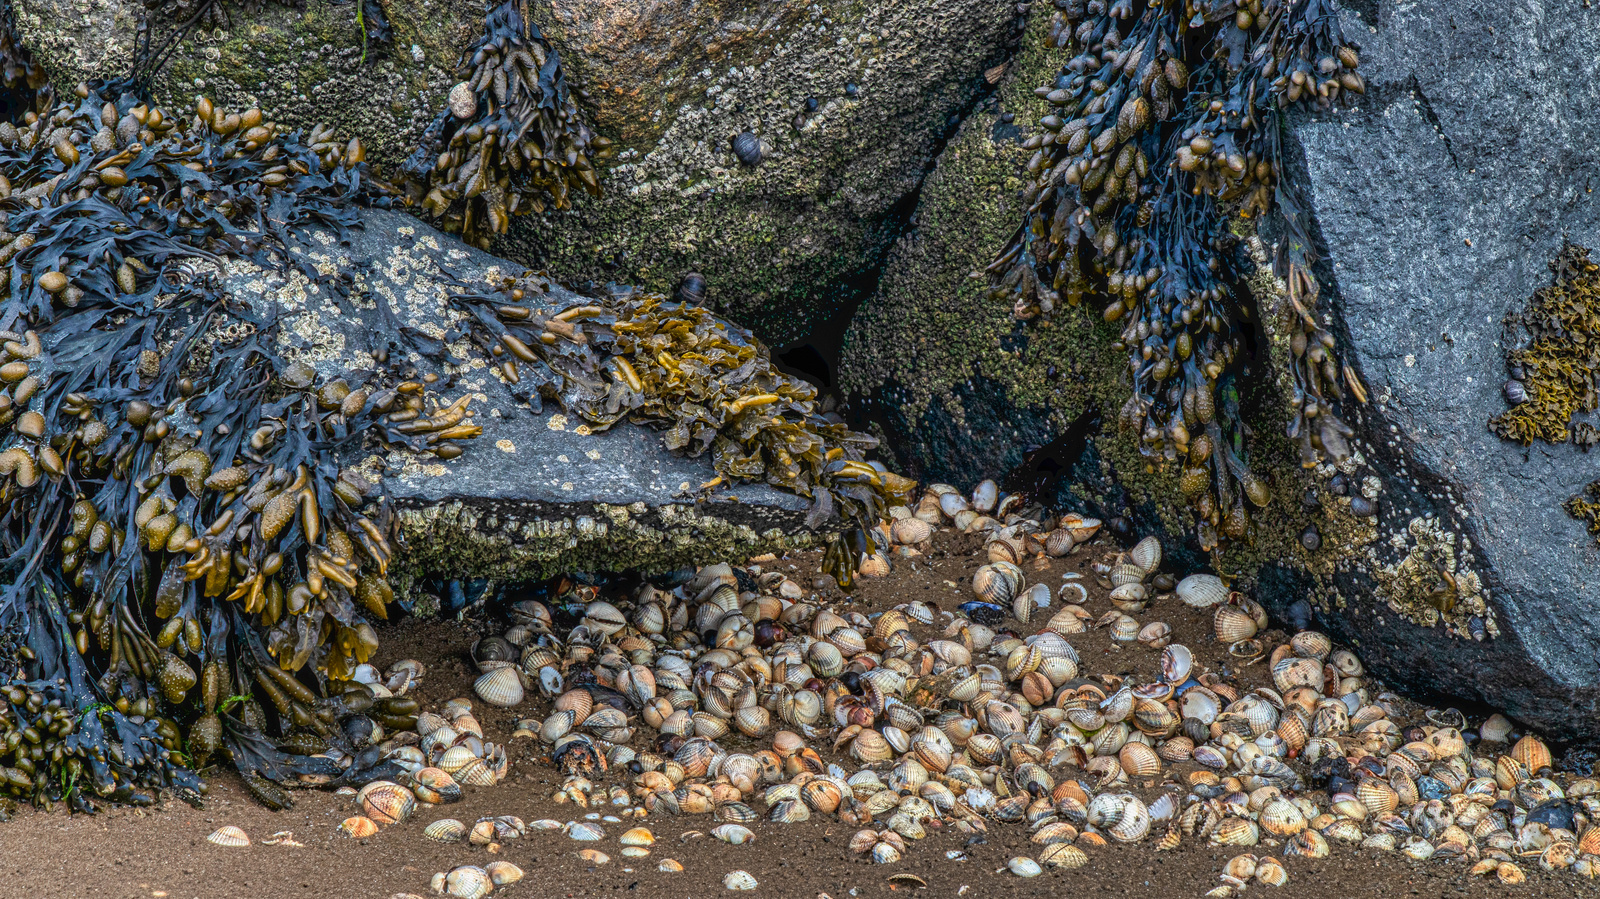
(779, 243)
(535, 494)
(300, 65)
(1439, 212)
(1441, 200)
(782, 244)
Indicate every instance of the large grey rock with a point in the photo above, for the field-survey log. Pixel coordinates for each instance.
(1441, 198)
(536, 493)
(783, 245)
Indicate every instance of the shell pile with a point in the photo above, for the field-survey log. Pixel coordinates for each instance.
(738, 694)
(445, 752)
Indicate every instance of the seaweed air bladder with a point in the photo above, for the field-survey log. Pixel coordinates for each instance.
(1164, 134)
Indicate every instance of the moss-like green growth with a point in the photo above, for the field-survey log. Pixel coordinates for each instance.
(849, 102)
(958, 384)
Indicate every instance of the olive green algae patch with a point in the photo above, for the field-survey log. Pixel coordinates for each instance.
(1554, 374)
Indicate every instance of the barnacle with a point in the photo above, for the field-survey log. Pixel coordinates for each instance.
(709, 384)
(511, 139)
(1165, 128)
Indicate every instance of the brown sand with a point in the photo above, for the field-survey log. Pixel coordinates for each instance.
(163, 853)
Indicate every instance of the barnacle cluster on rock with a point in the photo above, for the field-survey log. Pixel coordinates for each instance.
(1166, 128)
(511, 139)
(710, 384)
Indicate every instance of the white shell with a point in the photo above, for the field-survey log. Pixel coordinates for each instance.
(500, 686)
(985, 495)
(1022, 866)
(739, 880)
(1176, 663)
(735, 834)
(503, 872)
(1200, 704)
(229, 836)
(468, 882)
(1146, 554)
(1202, 591)
(445, 830)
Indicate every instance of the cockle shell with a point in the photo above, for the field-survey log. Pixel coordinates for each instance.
(998, 583)
(386, 802)
(910, 531)
(1146, 554)
(501, 687)
(1202, 591)
(468, 882)
(358, 827)
(1233, 625)
(229, 836)
(446, 830)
